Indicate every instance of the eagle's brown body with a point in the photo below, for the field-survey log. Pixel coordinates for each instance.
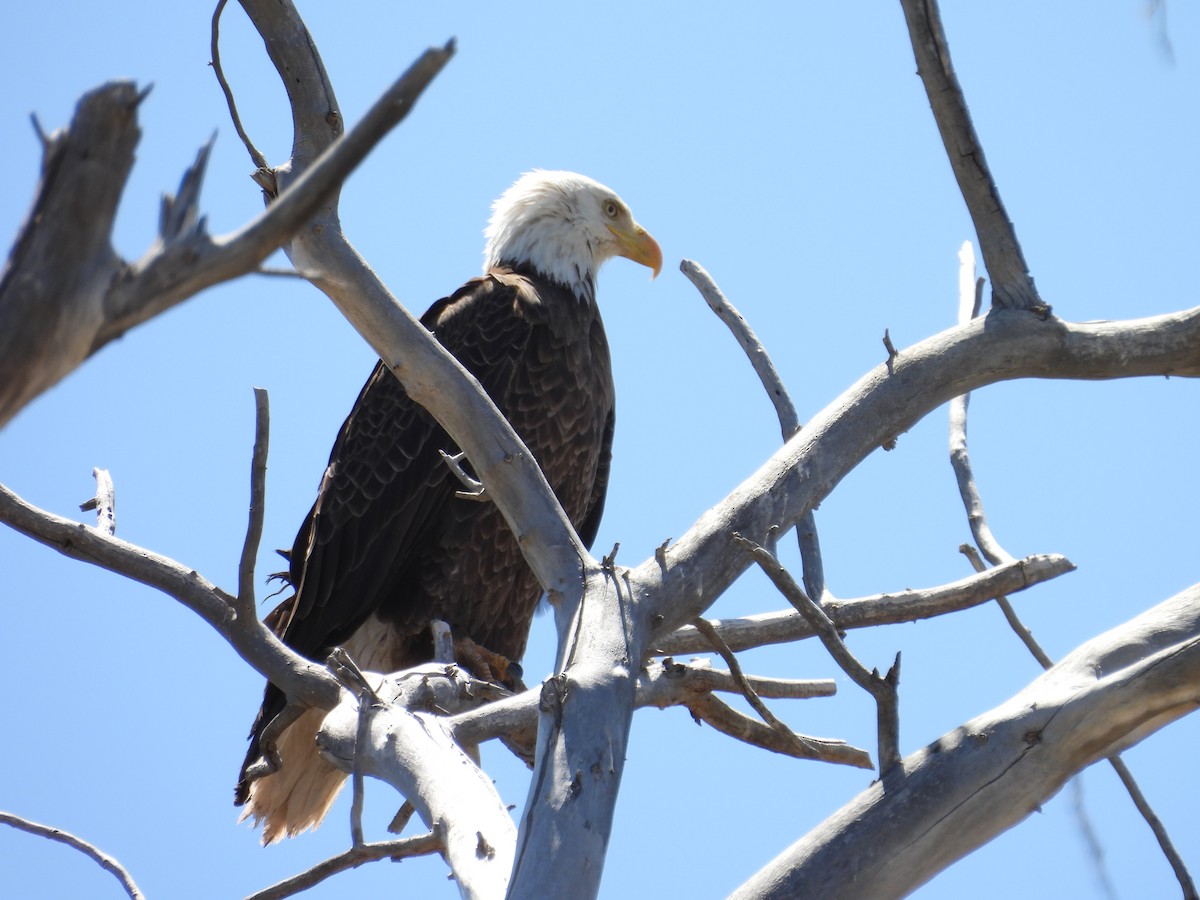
(387, 546)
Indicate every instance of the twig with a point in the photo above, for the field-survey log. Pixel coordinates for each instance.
(729, 721)
(969, 300)
(811, 560)
(421, 845)
(258, 503)
(786, 626)
(105, 502)
(1010, 614)
(260, 161)
(882, 688)
(1095, 849)
(443, 641)
(667, 682)
(1012, 286)
(356, 775)
(101, 858)
(735, 670)
(475, 489)
(1156, 826)
(661, 684)
(892, 352)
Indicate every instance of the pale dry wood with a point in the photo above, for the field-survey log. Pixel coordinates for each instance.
(990, 773)
(104, 502)
(734, 724)
(416, 754)
(735, 670)
(910, 605)
(799, 476)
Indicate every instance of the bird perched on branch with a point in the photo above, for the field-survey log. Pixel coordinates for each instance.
(387, 546)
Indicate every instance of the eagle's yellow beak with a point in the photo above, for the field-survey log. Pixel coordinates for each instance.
(635, 243)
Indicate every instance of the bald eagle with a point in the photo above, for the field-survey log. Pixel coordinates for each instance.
(387, 546)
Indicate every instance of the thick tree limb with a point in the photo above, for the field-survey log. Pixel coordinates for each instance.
(908, 605)
(1012, 285)
(1001, 346)
(415, 753)
(992, 772)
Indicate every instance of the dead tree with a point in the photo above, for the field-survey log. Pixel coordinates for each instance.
(65, 293)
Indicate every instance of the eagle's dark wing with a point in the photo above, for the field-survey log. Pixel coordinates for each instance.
(386, 481)
(386, 538)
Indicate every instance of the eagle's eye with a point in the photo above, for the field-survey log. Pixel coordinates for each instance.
(611, 209)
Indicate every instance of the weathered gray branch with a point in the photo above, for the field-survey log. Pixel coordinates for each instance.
(785, 626)
(304, 680)
(65, 293)
(415, 753)
(102, 859)
(883, 688)
(789, 420)
(680, 583)
(403, 848)
(993, 771)
(1012, 285)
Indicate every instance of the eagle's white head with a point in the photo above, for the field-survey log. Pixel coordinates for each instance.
(565, 226)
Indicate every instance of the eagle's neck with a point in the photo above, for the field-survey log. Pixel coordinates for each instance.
(580, 285)
(550, 240)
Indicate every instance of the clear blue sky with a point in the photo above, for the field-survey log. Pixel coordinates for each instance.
(790, 150)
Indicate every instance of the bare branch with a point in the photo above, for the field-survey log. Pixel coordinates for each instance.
(1178, 866)
(421, 845)
(101, 858)
(1012, 286)
(734, 724)
(970, 290)
(415, 753)
(789, 420)
(747, 690)
(258, 503)
(1010, 614)
(909, 605)
(302, 679)
(990, 773)
(260, 161)
(801, 474)
(65, 288)
(475, 489)
(883, 689)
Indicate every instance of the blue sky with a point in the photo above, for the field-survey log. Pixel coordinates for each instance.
(789, 149)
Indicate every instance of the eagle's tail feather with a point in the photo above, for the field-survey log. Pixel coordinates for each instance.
(298, 796)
